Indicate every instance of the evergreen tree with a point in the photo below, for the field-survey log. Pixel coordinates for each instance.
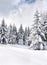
(14, 30)
(3, 33)
(29, 41)
(44, 28)
(21, 29)
(14, 34)
(35, 33)
(20, 35)
(25, 37)
(28, 31)
(44, 31)
(10, 35)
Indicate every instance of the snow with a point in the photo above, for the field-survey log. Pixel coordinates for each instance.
(10, 55)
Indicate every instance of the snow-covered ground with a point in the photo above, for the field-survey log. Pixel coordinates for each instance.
(11, 55)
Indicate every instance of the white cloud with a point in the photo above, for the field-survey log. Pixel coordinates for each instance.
(25, 13)
(7, 5)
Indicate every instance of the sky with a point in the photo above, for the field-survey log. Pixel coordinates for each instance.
(20, 11)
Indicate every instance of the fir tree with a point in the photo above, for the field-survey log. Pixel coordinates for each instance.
(28, 31)
(35, 33)
(20, 35)
(25, 40)
(3, 32)
(29, 41)
(14, 34)
(44, 31)
(24, 37)
(10, 35)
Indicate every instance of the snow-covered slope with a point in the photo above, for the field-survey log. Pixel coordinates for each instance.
(10, 55)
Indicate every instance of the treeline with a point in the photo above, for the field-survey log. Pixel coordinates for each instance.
(10, 35)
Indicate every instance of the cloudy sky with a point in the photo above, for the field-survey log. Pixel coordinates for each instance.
(20, 11)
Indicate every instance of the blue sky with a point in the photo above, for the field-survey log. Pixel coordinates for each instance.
(20, 11)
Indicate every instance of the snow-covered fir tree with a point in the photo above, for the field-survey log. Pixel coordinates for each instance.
(10, 36)
(25, 40)
(14, 33)
(29, 41)
(44, 31)
(35, 33)
(28, 31)
(20, 35)
(3, 33)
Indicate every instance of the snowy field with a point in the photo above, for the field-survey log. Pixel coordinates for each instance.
(11, 55)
